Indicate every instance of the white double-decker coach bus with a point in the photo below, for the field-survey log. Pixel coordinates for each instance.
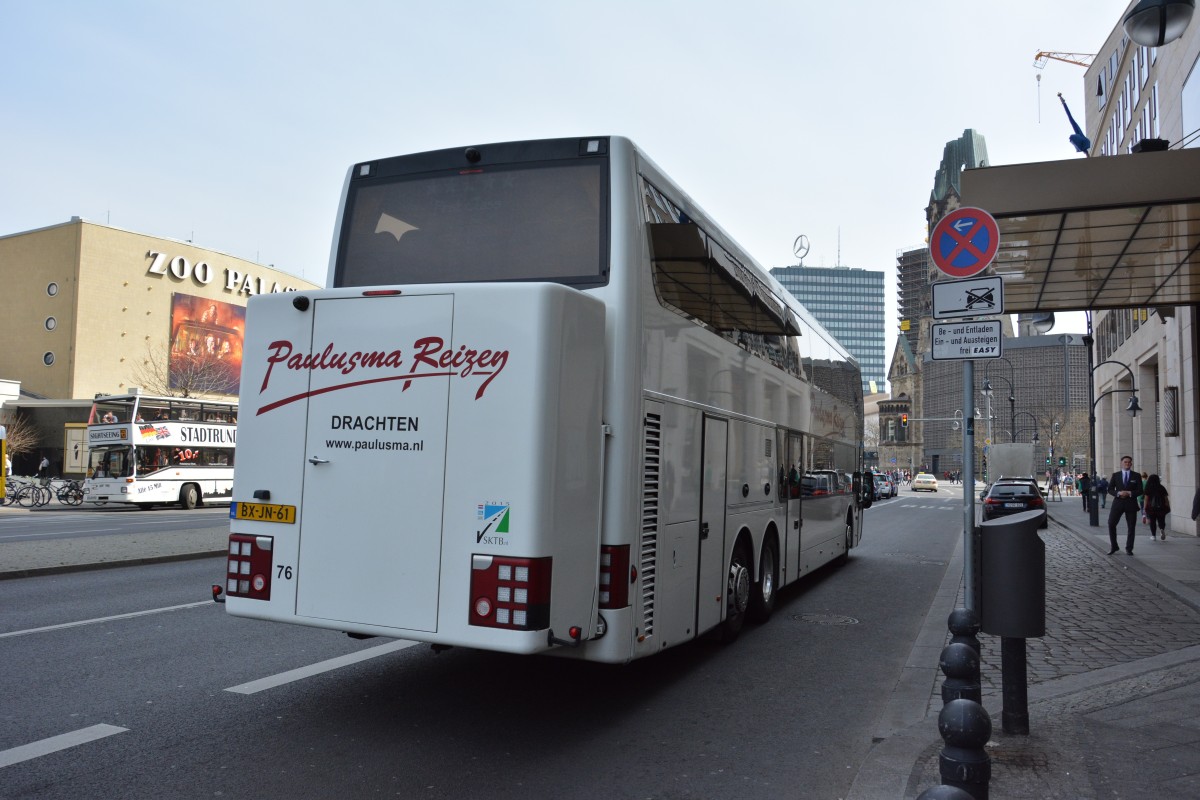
(149, 451)
(546, 404)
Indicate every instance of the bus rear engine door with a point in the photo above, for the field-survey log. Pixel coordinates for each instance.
(373, 486)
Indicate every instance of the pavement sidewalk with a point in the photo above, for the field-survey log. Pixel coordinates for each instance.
(28, 558)
(1114, 686)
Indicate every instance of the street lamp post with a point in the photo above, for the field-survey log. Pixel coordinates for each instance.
(1012, 392)
(1033, 427)
(987, 395)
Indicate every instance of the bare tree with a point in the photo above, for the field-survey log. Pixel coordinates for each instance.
(174, 374)
(871, 437)
(22, 436)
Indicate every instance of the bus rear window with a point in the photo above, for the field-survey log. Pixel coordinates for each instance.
(525, 222)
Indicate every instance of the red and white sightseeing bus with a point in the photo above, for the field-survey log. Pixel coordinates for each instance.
(547, 405)
(145, 451)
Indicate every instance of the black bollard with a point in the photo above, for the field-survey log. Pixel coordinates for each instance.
(943, 793)
(964, 624)
(1014, 718)
(964, 764)
(960, 664)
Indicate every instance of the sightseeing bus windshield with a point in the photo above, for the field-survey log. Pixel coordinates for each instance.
(111, 462)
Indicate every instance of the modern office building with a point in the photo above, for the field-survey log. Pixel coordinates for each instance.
(1038, 391)
(850, 304)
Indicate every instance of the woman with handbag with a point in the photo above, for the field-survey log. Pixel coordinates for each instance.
(1157, 506)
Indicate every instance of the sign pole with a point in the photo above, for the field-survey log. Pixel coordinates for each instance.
(962, 245)
(968, 483)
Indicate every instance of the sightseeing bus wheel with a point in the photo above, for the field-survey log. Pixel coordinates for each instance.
(762, 601)
(189, 496)
(737, 593)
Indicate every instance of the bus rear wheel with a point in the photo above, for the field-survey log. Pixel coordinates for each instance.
(189, 496)
(762, 600)
(738, 587)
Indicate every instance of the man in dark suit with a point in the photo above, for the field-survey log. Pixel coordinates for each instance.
(1125, 486)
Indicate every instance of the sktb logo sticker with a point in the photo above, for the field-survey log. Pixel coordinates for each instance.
(493, 519)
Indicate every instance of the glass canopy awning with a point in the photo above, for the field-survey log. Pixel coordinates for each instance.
(1111, 232)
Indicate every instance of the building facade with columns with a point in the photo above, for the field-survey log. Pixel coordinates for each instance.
(1140, 99)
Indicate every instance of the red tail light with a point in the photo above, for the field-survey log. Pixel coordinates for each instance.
(511, 593)
(249, 570)
(615, 576)
(1036, 502)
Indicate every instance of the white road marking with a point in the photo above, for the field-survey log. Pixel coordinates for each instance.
(272, 681)
(130, 615)
(55, 743)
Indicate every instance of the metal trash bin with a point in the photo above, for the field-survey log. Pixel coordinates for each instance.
(1013, 576)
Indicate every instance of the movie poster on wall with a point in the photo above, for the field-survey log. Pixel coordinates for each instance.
(206, 345)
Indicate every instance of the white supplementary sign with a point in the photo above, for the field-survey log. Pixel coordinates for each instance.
(966, 340)
(973, 297)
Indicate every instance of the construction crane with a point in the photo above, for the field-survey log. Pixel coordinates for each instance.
(1039, 62)
(1078, 59)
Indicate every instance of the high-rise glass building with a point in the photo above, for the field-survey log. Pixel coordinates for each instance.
(850, 304)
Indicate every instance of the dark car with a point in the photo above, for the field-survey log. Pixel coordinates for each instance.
(1012, 496)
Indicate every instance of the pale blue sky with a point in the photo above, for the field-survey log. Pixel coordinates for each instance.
(233, 123)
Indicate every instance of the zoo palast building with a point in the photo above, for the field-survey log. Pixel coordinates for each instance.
(91, 309)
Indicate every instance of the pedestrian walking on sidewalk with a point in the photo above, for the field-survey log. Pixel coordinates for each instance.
(1102, 490)
(1125, 486)
(1196, 505)
(1055, 488)
(1155, 506)
(1085, 487)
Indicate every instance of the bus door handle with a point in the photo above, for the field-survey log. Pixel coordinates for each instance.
(703, 530)
(315, 460)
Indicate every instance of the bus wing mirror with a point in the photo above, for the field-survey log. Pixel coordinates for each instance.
(864, 495)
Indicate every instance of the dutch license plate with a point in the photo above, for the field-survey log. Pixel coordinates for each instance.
(264, 512)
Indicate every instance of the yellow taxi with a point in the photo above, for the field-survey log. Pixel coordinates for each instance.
(924, 481)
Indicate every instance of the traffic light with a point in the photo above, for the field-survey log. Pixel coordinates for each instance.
(1047, 462)
(1056, 427)
(904, 420)
(1062, 461)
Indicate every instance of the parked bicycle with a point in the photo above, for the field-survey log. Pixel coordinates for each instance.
(11, 487)
(67, 491)
(28, 494)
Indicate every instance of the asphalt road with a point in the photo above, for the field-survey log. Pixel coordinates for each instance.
(127, 682)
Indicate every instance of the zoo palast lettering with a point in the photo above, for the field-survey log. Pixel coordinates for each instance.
(202, 274)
